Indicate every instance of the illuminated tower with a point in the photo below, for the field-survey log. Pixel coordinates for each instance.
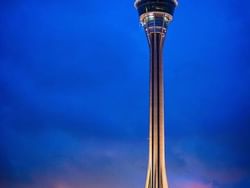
(155, 15)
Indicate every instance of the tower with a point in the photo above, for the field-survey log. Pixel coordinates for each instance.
(155, 15)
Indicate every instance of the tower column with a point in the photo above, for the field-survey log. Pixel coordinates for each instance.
(156, 177)
(155, 16)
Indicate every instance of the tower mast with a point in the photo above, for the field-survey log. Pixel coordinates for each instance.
(155, 15)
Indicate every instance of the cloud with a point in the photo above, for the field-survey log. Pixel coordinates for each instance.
(189, 166)
(192, 184)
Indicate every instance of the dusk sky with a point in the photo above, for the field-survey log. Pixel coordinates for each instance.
(74, 94)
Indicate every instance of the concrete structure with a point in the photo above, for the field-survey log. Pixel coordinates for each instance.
(155, 16)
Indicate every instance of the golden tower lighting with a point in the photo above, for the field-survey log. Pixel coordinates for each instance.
(155, 16)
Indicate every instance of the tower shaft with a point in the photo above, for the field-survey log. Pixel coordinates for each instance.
(155, 16)
(156, 174)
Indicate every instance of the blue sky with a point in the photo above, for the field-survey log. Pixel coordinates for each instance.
(74, 95)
